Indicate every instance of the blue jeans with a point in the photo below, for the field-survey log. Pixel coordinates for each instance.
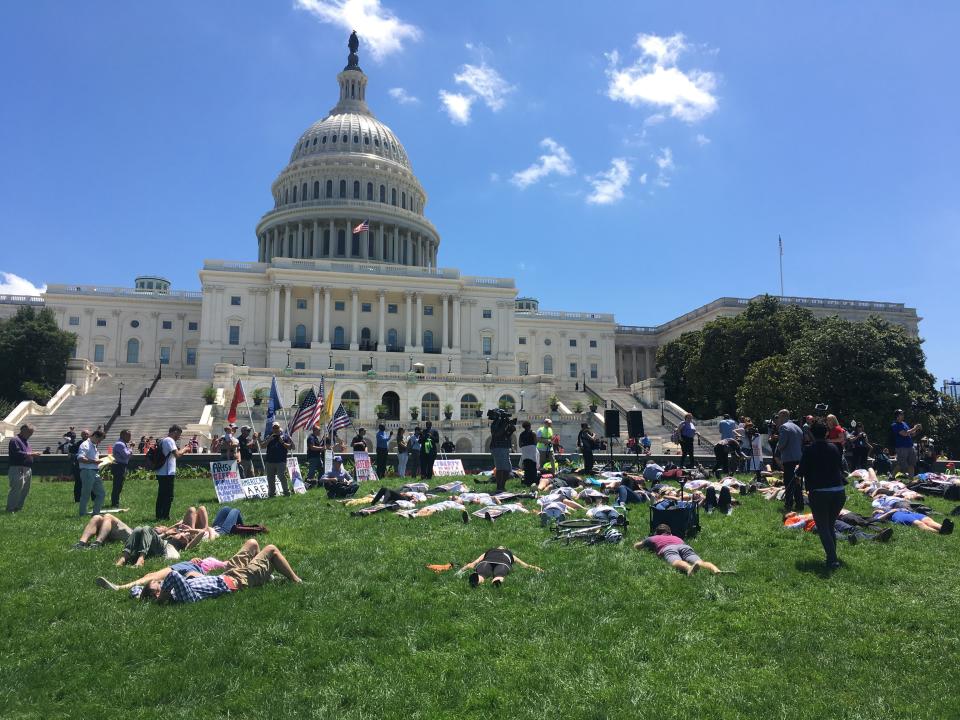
(625, 495)
(226, 518)
(315, 466)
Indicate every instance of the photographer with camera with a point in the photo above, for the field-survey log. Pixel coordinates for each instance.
(903, 439)
(502, 428)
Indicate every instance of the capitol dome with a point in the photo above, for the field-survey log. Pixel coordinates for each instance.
(349, 172)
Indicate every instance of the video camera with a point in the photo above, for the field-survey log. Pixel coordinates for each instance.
(500, 421)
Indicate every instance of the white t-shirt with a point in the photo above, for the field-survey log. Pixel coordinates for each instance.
(168, 446)
(89, 451)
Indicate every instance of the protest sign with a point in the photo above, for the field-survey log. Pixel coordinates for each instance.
(296, 477)
(230, 487)
(362, 468)
(447, 468)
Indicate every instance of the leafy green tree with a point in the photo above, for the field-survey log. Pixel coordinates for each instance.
(33, 350)
(945, 426)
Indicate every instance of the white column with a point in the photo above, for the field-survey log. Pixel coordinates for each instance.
(275, 310)
(300, 243)
(219, 318)
(354, 317)
(317, 240)
(315, 337)
(331, 251)
(364, 245)
(407, 340)
(456, 322)
(382, 331)
(444, 344)
(287, 292)
(419, 338)
(326, 316)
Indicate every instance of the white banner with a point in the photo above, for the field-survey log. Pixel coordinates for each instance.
(362, 468)
(231, 487)
(447, 468)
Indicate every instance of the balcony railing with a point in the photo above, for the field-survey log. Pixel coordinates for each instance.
(109, 291)
(377, 211)
(339, 346)
(300, 345)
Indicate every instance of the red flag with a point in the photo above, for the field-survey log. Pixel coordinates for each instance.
(238, 397)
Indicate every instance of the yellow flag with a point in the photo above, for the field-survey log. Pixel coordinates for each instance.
(328, 404)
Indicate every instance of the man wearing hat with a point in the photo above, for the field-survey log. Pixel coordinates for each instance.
(545, 440)
(228, 443)
(338, 482)
(277, 447)
(245, 446)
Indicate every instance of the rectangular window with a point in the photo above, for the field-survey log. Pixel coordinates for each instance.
(234, 299)
(101, 322)
(487, 345)
(301, 304)
(573, 370)
(524, 367)
(167, 324)
(164, 354)
(593, 343)
(192, 326)
(391, 309)
(339, 366)
(573, 342)
(74, 320)
(487, 314)
(594, 372)
(339, 305)
(428, 309)
(98, 353)
(366, 307)
(522, 341)
(191, 356)
(300, 365)
(234, 334)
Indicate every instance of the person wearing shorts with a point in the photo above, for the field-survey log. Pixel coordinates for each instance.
(917, 520)
(103, 529)
(675, 551)
(494, 566)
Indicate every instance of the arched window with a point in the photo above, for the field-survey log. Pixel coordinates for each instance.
(468, 406)
(393, 196)
(351, 403)
(323, 140)
(403, 200)
(286, 195)
(356, 189)
(427, 340)
(329, 188)
(365, 339)
(547, 365)
(341, 242)
(343, 188)
(303, 192)
(369, 191)
(506, 402)
(334, 139)
(326, 243)
(392, 342)
(338, 335)
(294, 193)
(300, 334)
(355, 245)
(133, 350)
(383, 193)
(430, 407)
(316, 188)
(392, 402)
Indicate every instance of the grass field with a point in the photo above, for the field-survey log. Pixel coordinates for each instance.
(605, 632)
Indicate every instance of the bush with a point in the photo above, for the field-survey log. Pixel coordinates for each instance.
(6, 407)
(209, 394)
(35, 391)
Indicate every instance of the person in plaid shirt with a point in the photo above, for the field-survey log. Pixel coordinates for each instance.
(250, 567)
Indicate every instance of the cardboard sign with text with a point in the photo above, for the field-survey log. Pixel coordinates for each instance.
(230, 487)
(362, 468)
(296, 477)
(447, 468)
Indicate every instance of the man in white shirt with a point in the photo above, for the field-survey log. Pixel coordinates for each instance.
(89, 458)
(168, 471)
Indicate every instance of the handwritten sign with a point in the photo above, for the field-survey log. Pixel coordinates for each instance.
(447, 468)
(230, 487)
(362, 468)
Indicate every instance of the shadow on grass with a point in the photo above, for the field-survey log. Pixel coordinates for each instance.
(819, 568)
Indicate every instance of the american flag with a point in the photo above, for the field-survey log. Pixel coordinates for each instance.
(362, 227)
(320, 400)
(308, 412)
(341, 419)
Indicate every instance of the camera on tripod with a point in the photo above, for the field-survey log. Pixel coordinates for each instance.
(500, 421)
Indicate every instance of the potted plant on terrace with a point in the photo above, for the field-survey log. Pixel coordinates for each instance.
(594, 403)
(414, 412)
(554, 402)
(447, 411)
(578, 407)
(381, 411)
(478, 410)
(209, 394)
(258, 395)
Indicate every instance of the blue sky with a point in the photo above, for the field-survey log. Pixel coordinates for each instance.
(637, 158)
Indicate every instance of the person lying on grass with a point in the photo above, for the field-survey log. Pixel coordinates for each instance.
(144, 542)
(250, 567)
(843, 529)
(917, 520)
(436, 508)
(494, 565)
(102, 528)
(675, 551)
(492, 513)
(558, 505)
(188, 568)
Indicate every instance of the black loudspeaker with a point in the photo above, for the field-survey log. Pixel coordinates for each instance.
(611, 422)
(635, 424)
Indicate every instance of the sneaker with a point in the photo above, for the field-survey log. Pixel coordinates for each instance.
(487, 516)
(884, 535)
(106, 584)
(95, 545)
(946, 527)
(79, 546)
(835, 565)
(955, 511)
(465, 516)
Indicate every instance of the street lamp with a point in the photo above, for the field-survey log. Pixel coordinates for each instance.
(487, 358)
(371, 361)
(296, 395)
(522, 393)
(411, 363)
(120, 399)
(243, 356)
(449, 364)
(331, 362)
(288, 359)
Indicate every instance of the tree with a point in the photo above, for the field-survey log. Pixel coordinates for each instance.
(945, 426)
(33, 351)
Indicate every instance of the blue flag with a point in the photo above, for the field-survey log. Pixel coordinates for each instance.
(273, 404)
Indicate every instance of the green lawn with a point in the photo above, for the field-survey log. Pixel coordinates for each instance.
(606, 631)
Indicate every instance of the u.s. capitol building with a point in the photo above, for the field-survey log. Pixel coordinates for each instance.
(371, 310)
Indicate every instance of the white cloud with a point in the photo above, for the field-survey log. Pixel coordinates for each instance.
(608, 185)
(402, 96)
(555, 159)
(379, 29)
(643, 179)
(486, 83)
(11, 284)
(702, 139)
(655, 80)
(666, 165)
(457, 106)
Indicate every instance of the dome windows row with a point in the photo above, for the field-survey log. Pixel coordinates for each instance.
(339, 140)
(305, 192)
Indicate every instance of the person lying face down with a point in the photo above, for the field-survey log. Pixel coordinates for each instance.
(675, 551)
(493, 565)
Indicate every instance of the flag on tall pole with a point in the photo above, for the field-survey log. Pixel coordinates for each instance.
(780, 240)
(273, 405)
(328, 405)
(307, 413)
(238, 397)
(341, 419)
(321, 402)
(362, 227)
